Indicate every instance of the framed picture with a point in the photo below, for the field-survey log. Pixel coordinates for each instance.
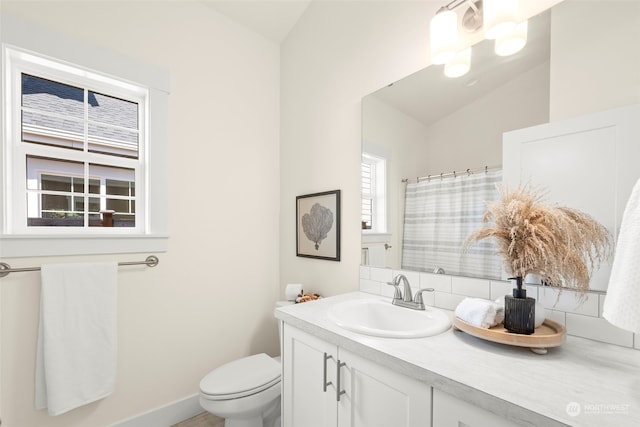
(318, 225)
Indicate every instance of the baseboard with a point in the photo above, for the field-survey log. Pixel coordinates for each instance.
(165, 416)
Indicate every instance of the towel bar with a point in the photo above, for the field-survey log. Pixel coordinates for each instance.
(5, 268)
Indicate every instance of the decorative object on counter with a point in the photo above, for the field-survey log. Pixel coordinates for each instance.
(318, 225)
(561, 245)
(480, 312)
(306, 297)
(549, 334)
(519, 310)
(623, 294)
(540, 314)
(292, 291)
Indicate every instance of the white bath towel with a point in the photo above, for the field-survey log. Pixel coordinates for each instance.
(77, 337)
(622, 302)
(480, 312)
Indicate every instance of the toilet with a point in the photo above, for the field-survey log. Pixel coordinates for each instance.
(245, 392)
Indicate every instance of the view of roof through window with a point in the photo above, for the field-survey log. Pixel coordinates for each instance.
(58, 114)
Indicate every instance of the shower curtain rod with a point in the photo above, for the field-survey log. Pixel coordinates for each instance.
(454, 173)
(5, 268)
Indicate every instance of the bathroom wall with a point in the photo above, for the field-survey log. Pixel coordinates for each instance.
(201, 306)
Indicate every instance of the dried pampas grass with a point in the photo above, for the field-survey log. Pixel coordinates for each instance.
(559, 244)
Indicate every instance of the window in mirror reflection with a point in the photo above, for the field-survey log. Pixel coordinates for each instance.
(374, 193)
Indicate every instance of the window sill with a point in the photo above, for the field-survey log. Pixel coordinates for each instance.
(13, 246)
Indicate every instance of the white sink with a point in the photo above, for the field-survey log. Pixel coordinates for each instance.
(382, 319)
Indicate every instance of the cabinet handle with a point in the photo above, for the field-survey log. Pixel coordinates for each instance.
(325, 384)
(338, 391)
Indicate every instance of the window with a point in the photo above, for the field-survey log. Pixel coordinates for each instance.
(374, 191)
(81, 124)
(82, 149)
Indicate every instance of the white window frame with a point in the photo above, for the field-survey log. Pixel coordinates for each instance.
(378, 193)
(20, 41)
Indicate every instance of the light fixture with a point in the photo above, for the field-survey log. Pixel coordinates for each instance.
(512, 42)
(444, 36)
(499, 17)
(459, 65)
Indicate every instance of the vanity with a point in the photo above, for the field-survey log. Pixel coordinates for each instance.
(336, 377)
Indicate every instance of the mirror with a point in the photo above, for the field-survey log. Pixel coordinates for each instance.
(463, 119)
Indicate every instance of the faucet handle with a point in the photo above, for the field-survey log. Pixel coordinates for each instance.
(396, 292)
(418, 298)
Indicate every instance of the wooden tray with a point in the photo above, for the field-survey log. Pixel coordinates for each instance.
(549, 334)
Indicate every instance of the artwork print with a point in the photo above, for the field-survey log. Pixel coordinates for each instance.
(318, 225)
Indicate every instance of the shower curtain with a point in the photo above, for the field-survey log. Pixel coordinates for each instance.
(439, 215)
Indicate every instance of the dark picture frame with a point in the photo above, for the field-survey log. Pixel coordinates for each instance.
(318, 225)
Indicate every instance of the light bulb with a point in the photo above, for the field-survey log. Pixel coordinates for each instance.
(512, 42)
(443, 36)
(459, 65)
(499, 17)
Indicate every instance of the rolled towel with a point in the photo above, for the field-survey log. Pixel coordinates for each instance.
(480, 312)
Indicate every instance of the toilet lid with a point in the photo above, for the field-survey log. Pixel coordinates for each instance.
(241, 377)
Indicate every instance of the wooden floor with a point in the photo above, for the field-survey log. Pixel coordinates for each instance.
(203, 420)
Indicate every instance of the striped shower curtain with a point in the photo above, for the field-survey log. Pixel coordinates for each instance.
(439, 215)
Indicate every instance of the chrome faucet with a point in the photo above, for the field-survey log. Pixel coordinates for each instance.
(417, 303)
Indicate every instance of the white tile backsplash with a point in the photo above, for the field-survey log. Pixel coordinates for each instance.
(500, 289)
(597, 328)
(447, 301)
(380, 274)
(439, 282)
(569, 301)
(581, 318)
(468, 286)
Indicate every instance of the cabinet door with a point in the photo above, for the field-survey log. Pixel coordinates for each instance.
(375, 396)
(449, 411)
(308, 400)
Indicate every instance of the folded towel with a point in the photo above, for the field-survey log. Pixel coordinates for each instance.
(77, 341)
(623, 293)
(480, 312)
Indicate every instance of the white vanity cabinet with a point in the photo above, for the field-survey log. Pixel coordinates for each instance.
(324, 385)
(449, 411)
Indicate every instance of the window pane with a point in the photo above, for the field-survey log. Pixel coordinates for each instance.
(52, 112)
(49, 130)
(47, 95)
(113, 111)
(94, 186)
(112, 140)
(56, 183)
(51, 202)
(117, 188)
(118, 205)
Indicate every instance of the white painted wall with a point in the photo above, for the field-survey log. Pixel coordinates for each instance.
(201, 306)
(588, 71)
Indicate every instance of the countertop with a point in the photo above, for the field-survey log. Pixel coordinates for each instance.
(602, 381)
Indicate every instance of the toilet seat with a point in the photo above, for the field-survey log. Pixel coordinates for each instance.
(240, 378)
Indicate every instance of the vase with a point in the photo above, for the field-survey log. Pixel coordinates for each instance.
(519, 311)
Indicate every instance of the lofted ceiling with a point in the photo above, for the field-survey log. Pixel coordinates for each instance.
(273, 19)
